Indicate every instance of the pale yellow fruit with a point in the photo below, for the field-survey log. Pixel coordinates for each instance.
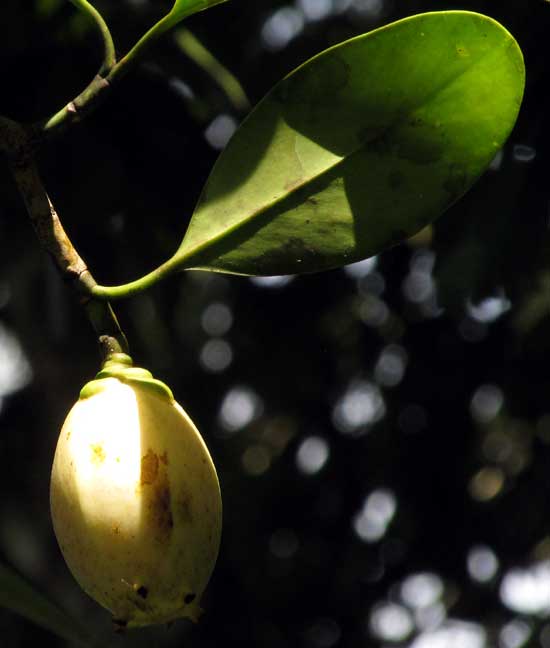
(135, 500)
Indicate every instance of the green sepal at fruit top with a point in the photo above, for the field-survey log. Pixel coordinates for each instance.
(121, 367)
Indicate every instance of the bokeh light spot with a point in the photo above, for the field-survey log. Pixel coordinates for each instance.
(371, 522)
(220, 130)
(486, 403)
(486, 483)
(482, 563)
(312, 455)
(216, 355)
(276, 281)
(216, 319)
(453, 634)
(391, 622)
(361, 406)
(390, 366)
(282, 27)
(421, 590)
(527, 591)
(240, 406)
(15, 370)
(514, 634)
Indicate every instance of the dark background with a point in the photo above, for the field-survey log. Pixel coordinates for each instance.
(382, 434)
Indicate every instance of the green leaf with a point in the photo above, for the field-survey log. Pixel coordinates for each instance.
(184, 8)
(359, 148)
(180, 10)
(17, 595)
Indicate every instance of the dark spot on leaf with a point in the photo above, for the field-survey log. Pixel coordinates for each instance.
(149, 467)
(189, 598)
(142, 591)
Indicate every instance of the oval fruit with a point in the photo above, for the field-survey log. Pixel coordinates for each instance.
(135, 498)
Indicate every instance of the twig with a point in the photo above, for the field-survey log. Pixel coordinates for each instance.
(17, 145)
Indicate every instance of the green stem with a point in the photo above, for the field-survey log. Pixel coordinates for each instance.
(96, 91)
(129, 61)
(109, 56)
(198, 53)
(134, 287)
(76, 109)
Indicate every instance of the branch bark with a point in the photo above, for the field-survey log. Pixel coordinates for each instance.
(17, 146)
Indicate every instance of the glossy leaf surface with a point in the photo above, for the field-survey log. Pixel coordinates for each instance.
(18, 596)
(359, 148)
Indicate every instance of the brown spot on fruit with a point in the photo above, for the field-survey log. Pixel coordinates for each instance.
(98, 453)
(164, 508)
(149, 468)
(159, 508)
(164, 458)
(186, 508)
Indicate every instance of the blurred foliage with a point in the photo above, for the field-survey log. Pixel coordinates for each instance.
(382, 433)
